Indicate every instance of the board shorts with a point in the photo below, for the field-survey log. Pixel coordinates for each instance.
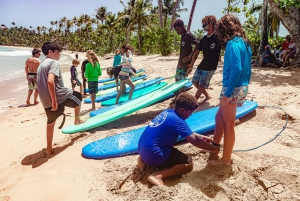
(78, 83)
(93, 87)
(31, 78)
(203, 77)
(72, 102)
(180, 73)
(238, 96)
(176, 157)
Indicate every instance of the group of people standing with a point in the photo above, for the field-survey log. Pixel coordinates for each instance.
(156, 143)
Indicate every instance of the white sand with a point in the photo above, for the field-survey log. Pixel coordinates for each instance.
(268, 173)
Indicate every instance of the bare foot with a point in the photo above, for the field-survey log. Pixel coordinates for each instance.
(220, 162)
(46, 153)
(36, 102)
(28, 101)
(154, 180)
(79, 122)
(93, 108)
(141, 164)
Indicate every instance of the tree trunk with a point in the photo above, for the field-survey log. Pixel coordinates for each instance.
(290, 20)
(174, 13)
(264, 26)
(191, 15)
(160, 13)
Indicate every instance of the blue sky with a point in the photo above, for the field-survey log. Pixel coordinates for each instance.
(39, 13)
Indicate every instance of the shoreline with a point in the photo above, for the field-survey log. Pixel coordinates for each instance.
(15, 89)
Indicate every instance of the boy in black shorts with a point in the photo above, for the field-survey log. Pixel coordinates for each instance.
(54, 96)
(156, 143)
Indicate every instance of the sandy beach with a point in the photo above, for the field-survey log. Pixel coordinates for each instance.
(267, 173)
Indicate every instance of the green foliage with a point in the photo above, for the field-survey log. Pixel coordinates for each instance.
(199, 33)
(158, 41)
(286, 4)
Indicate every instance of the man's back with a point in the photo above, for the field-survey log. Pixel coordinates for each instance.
(32, 64)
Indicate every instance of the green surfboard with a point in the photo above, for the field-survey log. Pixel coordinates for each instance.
(125, 109)
(102, 92)
(136, 75)
(136, 94)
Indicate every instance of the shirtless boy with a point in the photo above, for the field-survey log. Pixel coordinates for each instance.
(31, 67)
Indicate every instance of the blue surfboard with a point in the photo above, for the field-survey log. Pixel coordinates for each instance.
(104, 109)
(111, 79)
(114, 93)
(108, 86)
(127, 143)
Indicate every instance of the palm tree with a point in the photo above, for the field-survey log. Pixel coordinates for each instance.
(264, 26)
(273, 20)
(52, 23)
(168, 9)
(74, 22)
(101, 13)
(174, 13)
(192, 14)
(160, 13)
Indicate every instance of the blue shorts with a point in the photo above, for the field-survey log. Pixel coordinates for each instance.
(93, 87)
(203, 77)
(123, 77)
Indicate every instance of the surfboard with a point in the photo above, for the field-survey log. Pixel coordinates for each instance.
(114, 94)
(104, 109)
(125, 109)
(111, 79)
(102, 92)
(127, 143)
(108, 86)
(136, 94)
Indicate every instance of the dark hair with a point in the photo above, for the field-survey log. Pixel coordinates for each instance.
(210, 19)
(110, 71)
(228, 27)
(35, 51)
(127, 47)
(178, 23)
(186, 101)
(50, 46)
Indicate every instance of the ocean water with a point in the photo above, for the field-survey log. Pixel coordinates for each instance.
(12, 62)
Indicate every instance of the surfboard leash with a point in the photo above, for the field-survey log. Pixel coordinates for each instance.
(271, 140)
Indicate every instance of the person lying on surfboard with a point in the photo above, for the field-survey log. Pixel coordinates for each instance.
(155, 146)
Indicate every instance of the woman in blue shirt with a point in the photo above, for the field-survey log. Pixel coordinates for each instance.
(236, 78)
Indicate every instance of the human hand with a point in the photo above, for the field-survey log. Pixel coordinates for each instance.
(207, 139)
(186, 59)
(54, 106)
(225, 101)
(74, 82)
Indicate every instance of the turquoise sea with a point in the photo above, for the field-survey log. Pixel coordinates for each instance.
(12, 62)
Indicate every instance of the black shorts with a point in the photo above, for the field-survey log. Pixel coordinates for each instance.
(176, 157)
(93, 87)
(72, 102)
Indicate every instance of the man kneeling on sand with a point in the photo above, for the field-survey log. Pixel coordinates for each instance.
(156, 143)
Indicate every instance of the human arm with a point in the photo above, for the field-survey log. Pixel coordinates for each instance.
(235, 68)
(202, 142)
(51, 88)
(87, 70)
(195, 42)
(26, 69)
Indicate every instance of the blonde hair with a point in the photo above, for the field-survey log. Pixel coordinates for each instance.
(92, 57)
(75, 61)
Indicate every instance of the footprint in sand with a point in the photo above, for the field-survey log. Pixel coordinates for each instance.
(25, 121)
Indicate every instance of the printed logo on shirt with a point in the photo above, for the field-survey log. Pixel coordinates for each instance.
(212, 46)
(159, 119)
(183, 43)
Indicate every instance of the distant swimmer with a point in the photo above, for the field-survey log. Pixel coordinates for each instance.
(31, 67)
